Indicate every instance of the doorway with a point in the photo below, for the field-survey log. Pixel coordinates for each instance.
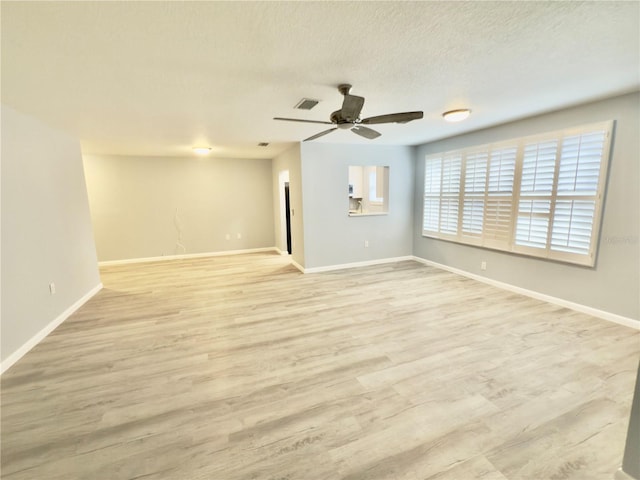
(287, 214)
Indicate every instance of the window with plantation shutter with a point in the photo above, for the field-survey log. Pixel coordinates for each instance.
(475, 184)
(432, 181)
(450, 194)
(536, 189)
(499, 200)
(577, 193)
(442, 192)
(539, 196)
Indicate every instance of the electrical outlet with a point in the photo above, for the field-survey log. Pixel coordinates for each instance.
(52, 288)
(238, 236)
(366, 244)
(483, 266)
(228, 236)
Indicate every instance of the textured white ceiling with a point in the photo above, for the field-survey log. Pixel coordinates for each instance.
(155, 78)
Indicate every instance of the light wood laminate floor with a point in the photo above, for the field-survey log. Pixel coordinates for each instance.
(241, 367)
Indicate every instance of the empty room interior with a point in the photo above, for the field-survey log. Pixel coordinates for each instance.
(320, 240)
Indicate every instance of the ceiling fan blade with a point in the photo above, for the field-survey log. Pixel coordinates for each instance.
(318, 135)
(300, 120)
(351, 107)
(393, 118)
(365, 132)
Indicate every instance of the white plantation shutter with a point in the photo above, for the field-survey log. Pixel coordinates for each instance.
(499, 200)
(475, 183)
(538, 167)
(472, 216)
(536, 191)
(572, 226)
(442, 194)
(449, 215)
(539, 196)
(532, 225)
(580, 163)
(577, 193)
(431, 214)
(450, 199)
(432, 181)
(433, 175)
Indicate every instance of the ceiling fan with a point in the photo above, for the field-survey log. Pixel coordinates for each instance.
(348, 117)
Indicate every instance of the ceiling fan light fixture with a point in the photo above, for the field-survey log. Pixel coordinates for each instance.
(201, 150)
(456, 115)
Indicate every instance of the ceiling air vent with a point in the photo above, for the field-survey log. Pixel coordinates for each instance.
(306, 104)
(263, 144)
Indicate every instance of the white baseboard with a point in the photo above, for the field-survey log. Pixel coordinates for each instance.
(366, 263)
(164, 258)
(297, 265)
(612, 317)
(38, 337)
(622, 475)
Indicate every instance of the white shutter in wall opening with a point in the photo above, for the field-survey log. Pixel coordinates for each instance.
(536, 191)
(581, 176)
(539, 196)
(572, 225)
(475, 183)
(432, 181)
(499, 201)
(450, 199)
(442, 196)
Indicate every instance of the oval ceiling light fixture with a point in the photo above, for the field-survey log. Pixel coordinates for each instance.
(201, 150)
(456, 115)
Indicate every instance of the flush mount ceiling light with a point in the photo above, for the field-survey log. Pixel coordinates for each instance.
(456, 115)
(201, 150)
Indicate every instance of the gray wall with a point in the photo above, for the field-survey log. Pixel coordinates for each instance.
(46, 228)
(331, 236)
(614, 284)
(288, 165)
(630, 462)
(134, 201)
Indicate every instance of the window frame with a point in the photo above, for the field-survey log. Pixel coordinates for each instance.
(577, 201)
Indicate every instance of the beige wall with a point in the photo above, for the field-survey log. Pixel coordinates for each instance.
(148, 207)
(46, 230)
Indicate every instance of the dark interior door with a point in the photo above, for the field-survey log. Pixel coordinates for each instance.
(287, 215)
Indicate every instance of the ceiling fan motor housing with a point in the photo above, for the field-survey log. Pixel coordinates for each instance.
(340, 122)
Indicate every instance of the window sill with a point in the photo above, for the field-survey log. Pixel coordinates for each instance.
(367, 214)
